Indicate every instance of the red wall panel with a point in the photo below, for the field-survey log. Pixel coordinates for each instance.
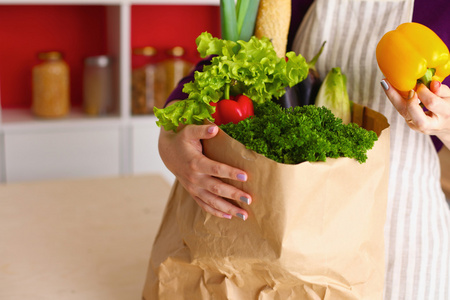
(165, 26)
(79, 31)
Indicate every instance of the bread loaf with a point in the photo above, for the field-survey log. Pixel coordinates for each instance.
(273, 22)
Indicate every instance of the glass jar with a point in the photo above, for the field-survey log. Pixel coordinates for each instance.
(175, 67)
(146, 82)
(98, 93)
(51, 82)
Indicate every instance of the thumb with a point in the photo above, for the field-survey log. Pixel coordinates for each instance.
(440, 89)
(201, 132)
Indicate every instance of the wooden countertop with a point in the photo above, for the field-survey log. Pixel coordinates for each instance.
(78, 239)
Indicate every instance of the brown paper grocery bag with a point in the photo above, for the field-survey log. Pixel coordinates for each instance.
(315, 230)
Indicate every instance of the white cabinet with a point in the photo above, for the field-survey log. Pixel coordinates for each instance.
(79, 146)
(145, 153)
(61, 153)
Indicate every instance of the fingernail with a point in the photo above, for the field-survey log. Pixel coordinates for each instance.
(211, 129)
(227, 216)
(242, 177)
(411, 94)
(240, 216)
(384, 84)
(245, 199)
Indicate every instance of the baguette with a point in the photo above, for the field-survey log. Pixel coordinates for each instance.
(273, 21)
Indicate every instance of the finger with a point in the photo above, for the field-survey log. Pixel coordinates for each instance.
(219, 188)
(431, 101)
(199, 132)
(439, 89)
(220, 170)
(418, 119)
(435, 86)
(219, 207)
(211, 210)
(396, 99)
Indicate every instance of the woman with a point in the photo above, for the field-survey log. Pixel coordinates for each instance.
(417, 230)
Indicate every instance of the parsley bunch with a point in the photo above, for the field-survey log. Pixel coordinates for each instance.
(303, 133)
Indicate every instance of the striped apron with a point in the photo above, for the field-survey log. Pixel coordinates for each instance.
(417, 230)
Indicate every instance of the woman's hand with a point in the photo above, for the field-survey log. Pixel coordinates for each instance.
(435, 119)
(181, 152)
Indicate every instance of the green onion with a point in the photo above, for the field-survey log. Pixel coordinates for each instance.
(246, 11)
(238, 21)
(228, 20)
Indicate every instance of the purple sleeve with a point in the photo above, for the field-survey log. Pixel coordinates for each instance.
(298, 11)
(435, 17)
(177, 93)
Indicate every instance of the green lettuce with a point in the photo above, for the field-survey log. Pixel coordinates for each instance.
(251, 68)
(334, 96)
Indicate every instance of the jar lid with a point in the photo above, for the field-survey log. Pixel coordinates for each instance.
(50, 55)
(146, 51)
(176, 51)
(99, 61)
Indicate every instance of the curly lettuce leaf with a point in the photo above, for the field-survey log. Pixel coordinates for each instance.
(251, 68)
(208, 45)
(183, 112)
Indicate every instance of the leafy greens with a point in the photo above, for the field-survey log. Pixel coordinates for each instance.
(251, 68)
(303, 133)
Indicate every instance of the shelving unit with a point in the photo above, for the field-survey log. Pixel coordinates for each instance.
(79, 145)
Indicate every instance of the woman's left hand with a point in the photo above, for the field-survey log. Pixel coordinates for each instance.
(435, 119)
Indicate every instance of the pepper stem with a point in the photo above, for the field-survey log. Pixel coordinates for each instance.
(426, 79)
(226, 93)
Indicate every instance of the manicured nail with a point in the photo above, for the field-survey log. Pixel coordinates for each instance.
(242, 177)
(411, 94)
(211, 129)
(240, 216)
(227, 216)
(439, 84)
(384, 84)
(245, 199)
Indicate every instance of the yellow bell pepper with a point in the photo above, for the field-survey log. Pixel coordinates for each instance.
(412, 53)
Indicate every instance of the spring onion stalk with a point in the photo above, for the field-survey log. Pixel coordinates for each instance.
(246, 11)
(228, 20)
(238, 20)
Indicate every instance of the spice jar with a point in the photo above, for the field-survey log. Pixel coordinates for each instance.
(147, 84)
(50, 82)
(176, 67)
(98, 93)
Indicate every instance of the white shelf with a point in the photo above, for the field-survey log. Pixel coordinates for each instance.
(63, 2)
(16, 120)
(111, 2)
(175, 2)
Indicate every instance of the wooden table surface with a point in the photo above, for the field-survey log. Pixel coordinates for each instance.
(79, 239)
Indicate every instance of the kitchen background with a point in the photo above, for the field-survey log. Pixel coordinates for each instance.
(136, 50)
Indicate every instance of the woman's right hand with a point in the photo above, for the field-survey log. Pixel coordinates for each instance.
(182, 154)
